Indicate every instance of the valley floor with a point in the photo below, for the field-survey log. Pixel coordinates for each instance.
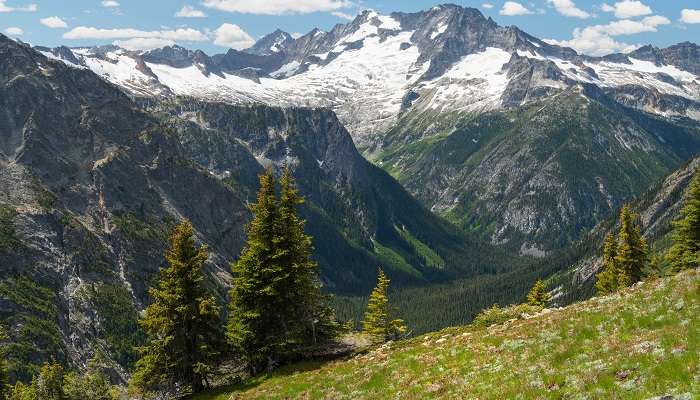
(638, 344)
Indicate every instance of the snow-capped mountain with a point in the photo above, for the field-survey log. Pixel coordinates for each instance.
(371, 70)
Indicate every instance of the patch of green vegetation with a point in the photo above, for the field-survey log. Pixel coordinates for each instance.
(432, 259)
(47, 201)
(8, 236)
(35, 335)
(119, 320)
(640, 343)
(140, 228)
(391, 259)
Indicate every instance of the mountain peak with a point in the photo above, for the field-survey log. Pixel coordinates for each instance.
(272, 43)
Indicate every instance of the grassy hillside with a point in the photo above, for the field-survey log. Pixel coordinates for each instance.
(640, 343)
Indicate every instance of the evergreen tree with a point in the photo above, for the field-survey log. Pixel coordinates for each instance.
(377, 321)
(276, 303)
(88, 385)
(607, 278)
(538, 296)
(314, 319)
(49, 384)
(20, 391)
(631, 256)
(182, 323)
(685, 251)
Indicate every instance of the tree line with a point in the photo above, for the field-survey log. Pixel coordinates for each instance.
(626, 259)
(277, 311)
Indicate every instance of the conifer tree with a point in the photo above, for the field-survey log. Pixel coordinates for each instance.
(631, 256)
(538, 296)
(377, 321)
(276, 303)
(685, 251)
(607, 278)
(182, 323)
(49, 384)
(310, 312)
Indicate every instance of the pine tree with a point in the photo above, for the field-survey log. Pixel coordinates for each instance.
(276, 303)
(631, 256)
(685, 251)
(182, 323)
(538, 296)
(313, 318)
(49, 384)
(377, 321)
(607, 279)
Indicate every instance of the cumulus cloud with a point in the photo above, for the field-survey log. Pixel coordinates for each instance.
(232, 36)
(487, 5)
(690, 16)
(190, 12)
(599, 40)
(182, 34)
(627, 9)
(567, 8)
(110, 3)
(53, 22)
(277, 7)
(512, 8)
(343, 15)
(4, 8)
(141, 44)
(14, 31)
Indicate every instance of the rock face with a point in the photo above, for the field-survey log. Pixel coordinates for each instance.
(94, 182)
(541, 175)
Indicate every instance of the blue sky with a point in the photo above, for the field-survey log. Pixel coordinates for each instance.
(593, 27)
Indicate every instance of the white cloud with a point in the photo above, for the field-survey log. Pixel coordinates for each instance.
(343, 15)
(277, 7)
(598, 39)
(690, 16)
(14, 31)
(231, 35)
(627, 8)
(487, 5)
(567, 8)
(4, 8)
(137, 44)
(607, 8)
(511, 8)
(182, 34)
(53, 22)
(110, 3)
(190, 12)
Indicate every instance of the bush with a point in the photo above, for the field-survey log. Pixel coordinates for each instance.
(497, 315)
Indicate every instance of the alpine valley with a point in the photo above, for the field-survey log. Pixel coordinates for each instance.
(465, 158)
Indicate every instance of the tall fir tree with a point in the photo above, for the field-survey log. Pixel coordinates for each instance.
(607, 278)
(276, 304)
(182, 323)
(314, 319)
(631, 256)
(685, 251)
(377, 321)
(538, 296)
